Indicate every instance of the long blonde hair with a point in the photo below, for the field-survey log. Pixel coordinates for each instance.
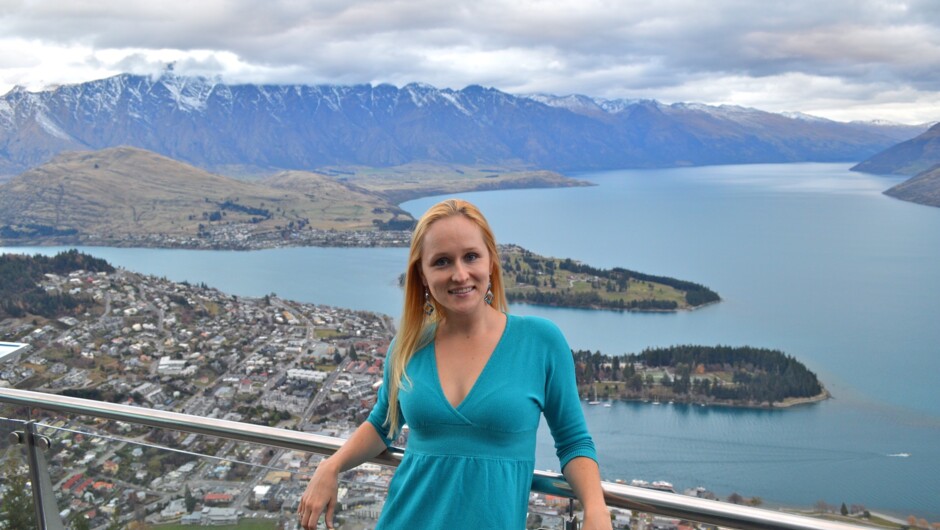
(417, 329)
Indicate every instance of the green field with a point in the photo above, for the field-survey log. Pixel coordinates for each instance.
(244, 524)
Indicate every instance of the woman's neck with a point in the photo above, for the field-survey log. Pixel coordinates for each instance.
(473, 325)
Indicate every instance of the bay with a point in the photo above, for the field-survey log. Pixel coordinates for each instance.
(809, 258)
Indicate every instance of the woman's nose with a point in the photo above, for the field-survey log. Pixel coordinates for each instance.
(460, 272)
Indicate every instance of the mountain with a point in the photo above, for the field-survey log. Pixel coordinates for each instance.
(923, 188)
(119, 195)
(261, 129)
(906, 158)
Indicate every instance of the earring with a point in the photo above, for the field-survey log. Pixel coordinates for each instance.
(428, 306)
(488, 297)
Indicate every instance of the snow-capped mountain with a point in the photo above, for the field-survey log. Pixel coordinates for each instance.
(259, 128)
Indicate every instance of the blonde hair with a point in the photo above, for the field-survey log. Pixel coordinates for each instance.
(417, 329)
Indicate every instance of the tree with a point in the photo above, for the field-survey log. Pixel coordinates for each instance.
(735, 498)
(115, 523)
(844, 509)
(16, 510)
(80, 522)
(189, 500)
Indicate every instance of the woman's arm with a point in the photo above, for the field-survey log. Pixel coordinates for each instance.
(585, 479)
(320, 495)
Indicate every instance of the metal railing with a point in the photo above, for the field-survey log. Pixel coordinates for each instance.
(617, 495)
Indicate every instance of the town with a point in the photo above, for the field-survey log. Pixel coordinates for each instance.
(237, 236)
(160, 344)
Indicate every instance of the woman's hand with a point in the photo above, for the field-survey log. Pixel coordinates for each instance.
(585, 479)
(599, 520)
(320, 497)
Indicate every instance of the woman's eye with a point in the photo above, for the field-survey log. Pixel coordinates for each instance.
(472, 256)
(440, 262)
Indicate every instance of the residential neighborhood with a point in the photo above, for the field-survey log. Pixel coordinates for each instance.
(155, 343)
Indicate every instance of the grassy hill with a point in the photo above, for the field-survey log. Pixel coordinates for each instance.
(124, 191)
(130, 196)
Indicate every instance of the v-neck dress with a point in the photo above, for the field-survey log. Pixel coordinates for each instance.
(470, 467)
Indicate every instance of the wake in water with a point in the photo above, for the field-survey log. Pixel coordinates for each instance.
(900, 455)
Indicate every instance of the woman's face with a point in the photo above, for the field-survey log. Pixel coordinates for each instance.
(455, 264)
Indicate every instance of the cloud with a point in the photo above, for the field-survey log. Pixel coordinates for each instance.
(721, 51)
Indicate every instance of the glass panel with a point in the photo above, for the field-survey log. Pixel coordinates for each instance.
(114, 475)
(16, 505)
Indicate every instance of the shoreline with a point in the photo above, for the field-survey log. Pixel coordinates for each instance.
(786, 404)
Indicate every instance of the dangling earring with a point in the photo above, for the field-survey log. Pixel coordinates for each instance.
(488, 297)
(428, 306)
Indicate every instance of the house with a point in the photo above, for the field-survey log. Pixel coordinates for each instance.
(220, 516)
(215, 499)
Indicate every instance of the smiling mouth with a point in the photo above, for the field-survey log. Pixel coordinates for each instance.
(464, 290)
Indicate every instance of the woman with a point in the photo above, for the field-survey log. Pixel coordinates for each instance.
(471, 382)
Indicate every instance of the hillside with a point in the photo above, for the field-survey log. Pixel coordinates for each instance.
(906, 158)
(410, 181)
(20, 277)
(124, 194)
(922, 189)
(534, 279)
(260, 129)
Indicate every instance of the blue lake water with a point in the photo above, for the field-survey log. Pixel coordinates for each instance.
(809, 258)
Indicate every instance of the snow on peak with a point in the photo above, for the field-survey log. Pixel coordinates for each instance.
(803, 116)
(190, 93)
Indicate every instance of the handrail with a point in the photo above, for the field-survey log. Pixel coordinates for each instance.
(616, 495)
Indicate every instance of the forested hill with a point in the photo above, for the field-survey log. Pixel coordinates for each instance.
(705, 374)
(20, 275)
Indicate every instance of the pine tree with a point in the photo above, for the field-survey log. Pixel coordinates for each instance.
(190, 500)
(16, 509)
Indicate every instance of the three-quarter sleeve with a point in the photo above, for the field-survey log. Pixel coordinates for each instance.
(378, 417)
(562, 408)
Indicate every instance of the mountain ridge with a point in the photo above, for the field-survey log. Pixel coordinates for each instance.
(923, 188)
(910, 157)
(262, 129)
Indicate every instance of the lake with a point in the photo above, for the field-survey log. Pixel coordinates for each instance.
(810, 259)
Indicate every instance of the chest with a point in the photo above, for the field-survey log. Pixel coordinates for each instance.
(459, 365)
(506, 394)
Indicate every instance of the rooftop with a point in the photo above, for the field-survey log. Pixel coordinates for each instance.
(9, 349)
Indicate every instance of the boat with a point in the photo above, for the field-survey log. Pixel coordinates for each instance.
(660, 485)
(594, 401)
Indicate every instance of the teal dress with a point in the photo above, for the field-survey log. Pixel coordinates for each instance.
(470, 467)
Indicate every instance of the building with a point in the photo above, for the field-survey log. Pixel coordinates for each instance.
(11, 351)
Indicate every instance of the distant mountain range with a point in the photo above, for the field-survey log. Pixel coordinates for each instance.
(254, 129)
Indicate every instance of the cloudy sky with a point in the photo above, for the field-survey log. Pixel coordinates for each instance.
(840, 59)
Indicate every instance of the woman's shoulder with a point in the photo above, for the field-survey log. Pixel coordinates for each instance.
(535, 326)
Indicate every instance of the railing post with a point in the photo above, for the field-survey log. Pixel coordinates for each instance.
(47, 513)
(571, 522)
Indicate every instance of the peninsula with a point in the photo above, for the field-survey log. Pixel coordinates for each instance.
(703, 375)
(530, 278)
(539, 280)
